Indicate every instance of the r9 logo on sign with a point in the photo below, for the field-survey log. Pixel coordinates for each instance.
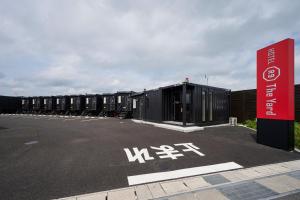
(271, 73)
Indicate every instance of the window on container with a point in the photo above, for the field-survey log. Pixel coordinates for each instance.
(203, 106)
(57, 101)
(104, 100)
(23, 101)
(87, 100)
(72, 100)
(119, 99)
(134, 103)
(45, 101)
(33, 101)
(210, 106)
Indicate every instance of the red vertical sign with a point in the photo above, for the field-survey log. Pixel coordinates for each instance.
(275, 81)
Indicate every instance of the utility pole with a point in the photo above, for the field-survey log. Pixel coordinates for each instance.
(206, 78)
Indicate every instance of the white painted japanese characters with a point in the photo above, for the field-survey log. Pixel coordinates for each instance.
(162, 152)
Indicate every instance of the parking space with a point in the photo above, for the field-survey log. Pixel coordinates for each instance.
(45, 157)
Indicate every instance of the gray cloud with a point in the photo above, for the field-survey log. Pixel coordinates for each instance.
(2, 75)
(57, 47)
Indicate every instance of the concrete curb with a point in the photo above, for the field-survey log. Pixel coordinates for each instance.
(36, 116)
(241, 125)
(171, 127)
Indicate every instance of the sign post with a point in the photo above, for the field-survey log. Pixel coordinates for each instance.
(275, 95)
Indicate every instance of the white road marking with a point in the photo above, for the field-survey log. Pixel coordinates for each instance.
(160, 176)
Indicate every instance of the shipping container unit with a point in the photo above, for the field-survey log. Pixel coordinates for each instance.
(138, 108)
(124, 104)
(49, 105)
(26, 105)
(183, 104)
(10, 104)
(62, 105)
(93, 104)
(77, 103)
(37, 105)
(109, 105)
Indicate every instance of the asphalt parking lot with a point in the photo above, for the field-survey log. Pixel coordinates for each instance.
(44, 157)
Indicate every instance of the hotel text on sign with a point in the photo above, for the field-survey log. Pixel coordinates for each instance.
(275, 81)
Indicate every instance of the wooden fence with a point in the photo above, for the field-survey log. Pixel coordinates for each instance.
(243, 104)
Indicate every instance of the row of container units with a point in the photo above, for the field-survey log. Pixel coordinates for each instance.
(10, 104)
(90, 104)
(183, 104)
(119, 103)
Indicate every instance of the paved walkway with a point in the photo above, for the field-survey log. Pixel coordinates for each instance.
(274, 181)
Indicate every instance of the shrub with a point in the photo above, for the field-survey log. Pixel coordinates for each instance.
(252, 124)
(297, 135)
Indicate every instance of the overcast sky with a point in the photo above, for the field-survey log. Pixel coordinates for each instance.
(52, 47)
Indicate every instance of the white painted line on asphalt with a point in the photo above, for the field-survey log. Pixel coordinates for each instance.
(160, 176)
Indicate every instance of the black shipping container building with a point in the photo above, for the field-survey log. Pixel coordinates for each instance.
(62, 104)
(37, 104)
(49, 104)
(109, 104)
(10, 104)
(124, 104)
(93, 104)
(183, 104)
(138, 105)
(77, 104)
(26, 104)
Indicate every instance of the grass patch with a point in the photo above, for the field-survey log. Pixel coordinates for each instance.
(252, 124)
(297, 135)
